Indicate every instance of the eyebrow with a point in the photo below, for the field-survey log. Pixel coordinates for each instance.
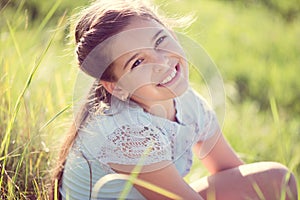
(135, 55)
(157, 34)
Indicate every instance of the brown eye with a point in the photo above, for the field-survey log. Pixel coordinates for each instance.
(137, 63)
(160, 40)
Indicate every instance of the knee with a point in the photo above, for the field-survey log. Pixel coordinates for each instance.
(292, 186)
(284, 179)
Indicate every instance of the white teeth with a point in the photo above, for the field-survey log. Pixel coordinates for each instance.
(169, 78)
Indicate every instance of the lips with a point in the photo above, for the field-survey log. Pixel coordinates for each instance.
(171, 77)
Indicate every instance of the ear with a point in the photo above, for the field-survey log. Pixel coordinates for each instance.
(109, 86)
(115, 90)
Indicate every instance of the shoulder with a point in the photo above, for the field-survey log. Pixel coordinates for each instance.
(192, 105)
(193, 97)
(195, 109)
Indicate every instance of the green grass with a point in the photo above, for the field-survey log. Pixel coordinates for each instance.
(256, 52)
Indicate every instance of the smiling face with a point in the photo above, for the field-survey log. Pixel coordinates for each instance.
(148, 63)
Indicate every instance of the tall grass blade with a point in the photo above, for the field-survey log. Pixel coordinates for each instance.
(10, 189)
(258, 191)
(12, 34)
(20, 162)
(6, 139)
(136, 170)
(274, 109)
(4, 6)
(278, 126)
(132, 179)
(21, 4)
(5, 142)
(48, 16)
(36, 189)
(55, 189)
(284, 191)
(55, 116)
(136, 181)
(11, 184)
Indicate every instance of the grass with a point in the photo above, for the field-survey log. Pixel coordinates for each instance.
(255, 51)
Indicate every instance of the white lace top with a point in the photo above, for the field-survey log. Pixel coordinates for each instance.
(128, 135)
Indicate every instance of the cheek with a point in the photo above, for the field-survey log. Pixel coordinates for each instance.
(184, 69)
(175, 48)
(135, 79)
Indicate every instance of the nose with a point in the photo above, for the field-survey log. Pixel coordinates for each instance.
(160, 61)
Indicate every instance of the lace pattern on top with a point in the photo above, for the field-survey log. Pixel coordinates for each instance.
(135, 145)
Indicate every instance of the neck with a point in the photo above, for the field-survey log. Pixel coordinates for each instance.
(164, 109)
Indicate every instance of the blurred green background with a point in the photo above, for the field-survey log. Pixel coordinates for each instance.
(254, 43)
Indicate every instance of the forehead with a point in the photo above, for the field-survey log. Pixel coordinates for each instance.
(141, 22)
(137, 35)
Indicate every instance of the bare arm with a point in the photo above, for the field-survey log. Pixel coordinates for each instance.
(220, 156)
(166, 177)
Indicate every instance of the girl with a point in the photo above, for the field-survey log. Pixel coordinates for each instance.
(142, 118)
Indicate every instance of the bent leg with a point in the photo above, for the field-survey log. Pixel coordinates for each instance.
(263, 180)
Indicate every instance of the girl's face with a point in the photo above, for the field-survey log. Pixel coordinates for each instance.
(150, 64)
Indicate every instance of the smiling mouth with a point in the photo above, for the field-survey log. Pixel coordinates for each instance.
(171, 78)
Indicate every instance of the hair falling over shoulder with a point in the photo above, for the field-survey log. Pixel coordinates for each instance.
(101, 20)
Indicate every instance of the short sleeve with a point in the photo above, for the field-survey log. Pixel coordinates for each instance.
(207, 120)
(135, 145)
(196, 111)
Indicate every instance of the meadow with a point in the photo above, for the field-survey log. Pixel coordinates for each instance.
(255, 49)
